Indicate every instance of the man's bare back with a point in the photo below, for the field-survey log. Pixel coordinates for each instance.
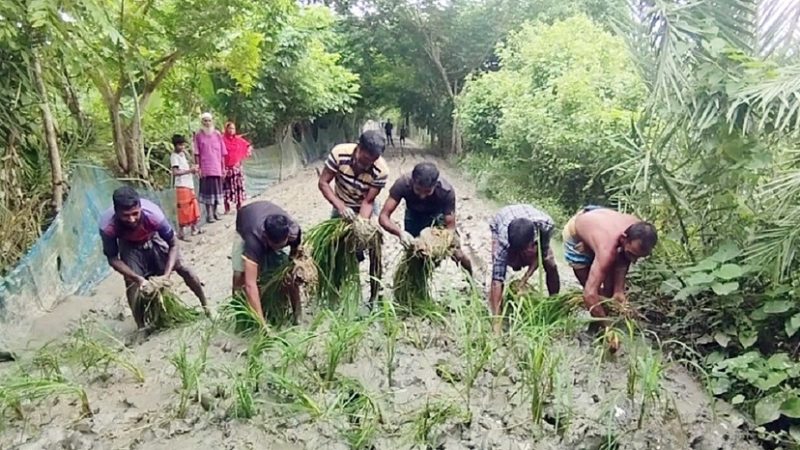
(600, 229)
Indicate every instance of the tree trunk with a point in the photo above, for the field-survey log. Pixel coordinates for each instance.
(118, 136)
(50, 135)
(70, 98)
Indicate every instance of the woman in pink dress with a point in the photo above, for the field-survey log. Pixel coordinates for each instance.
(233, 185)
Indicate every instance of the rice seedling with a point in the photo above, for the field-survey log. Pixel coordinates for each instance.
(334, 244)
(164, 309)
(237, 316)
(475, 339)
(190, 370)
(17, 390)
(299, 271)
(391, 328)
(47, 361)
(538, 367)
(344, 336)
(361, 412)
(412, 278)
(244, 404)
(291, 392)
(433, 415)
(94, 348)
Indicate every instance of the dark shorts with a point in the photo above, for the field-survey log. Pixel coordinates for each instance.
(415, 222)
(148, 259)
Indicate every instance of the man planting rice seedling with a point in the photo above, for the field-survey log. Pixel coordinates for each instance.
(359, 173)
(430, 202)
(600, 245)
(140, 243)
(263, 231)
(520, 237)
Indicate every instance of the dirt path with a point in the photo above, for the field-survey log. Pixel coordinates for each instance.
(129, 414)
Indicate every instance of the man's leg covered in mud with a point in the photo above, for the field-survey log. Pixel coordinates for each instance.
(375, 274)
(193, 282)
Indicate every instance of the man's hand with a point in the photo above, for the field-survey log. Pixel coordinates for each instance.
(347, 214)
(194, 169)
(406, 239)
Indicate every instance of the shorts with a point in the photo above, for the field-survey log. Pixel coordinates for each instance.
(577, 254)
(147, 259)
(272, 261)
(414, 223)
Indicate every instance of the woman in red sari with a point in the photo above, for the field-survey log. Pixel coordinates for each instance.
(238, 149)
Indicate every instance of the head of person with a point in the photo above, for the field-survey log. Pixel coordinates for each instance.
(127, 207)
(370, 147)
(276, 231)
(178, 143)
(522, 239)
(638, 241)
(424, 178)
(207, 122)
(230, 129)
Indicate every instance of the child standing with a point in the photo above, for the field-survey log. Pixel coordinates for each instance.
(188, 209)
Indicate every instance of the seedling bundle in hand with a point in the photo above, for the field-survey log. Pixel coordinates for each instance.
(162, 308)
(412, 278)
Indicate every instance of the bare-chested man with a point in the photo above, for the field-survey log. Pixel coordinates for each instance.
(600, 244)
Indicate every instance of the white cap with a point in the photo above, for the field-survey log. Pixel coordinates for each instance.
(206, 115)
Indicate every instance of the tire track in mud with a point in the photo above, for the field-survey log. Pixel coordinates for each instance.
(139, 415)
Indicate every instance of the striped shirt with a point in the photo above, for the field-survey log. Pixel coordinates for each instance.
(499, 227)
(351, 188)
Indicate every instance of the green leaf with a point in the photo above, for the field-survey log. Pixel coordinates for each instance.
(747, 337)
(780, 361)
(777, 306)
(737, 399)
(688, 291)
(794, 432)
(706, 265)
(791, 407)
(728, 272)
(726, 253)
(772, 380)
(719, 385)
(722, 339)
(792, 325)
(670, 286)
(725, 288)
(768, 409)
(699, 279)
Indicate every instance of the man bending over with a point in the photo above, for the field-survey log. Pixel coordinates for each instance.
(519, 234)
(140, 243)
(600, 244)
(430, 201)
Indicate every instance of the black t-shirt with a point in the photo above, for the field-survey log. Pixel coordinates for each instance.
(250, 226)
(442, 201)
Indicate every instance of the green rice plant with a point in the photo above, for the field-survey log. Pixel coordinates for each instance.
(391, 328)
(190, 370)
(96, 349)
(335, 255)
(47, 361)
(532, 310)
(14, 391)
(412, 278)
(361, 411)
(344, 336)
(164, 309)
(288, 389)
(475, 339)
(237, 316)
(334, 244)
(244, 404)
(432, 416)
(538, 365)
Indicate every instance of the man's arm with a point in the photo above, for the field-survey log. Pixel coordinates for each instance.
(124, 269)
(450, 221)
(251, 288)
(385, 218)
(620, 272)
(172, 256)
(369, 200)
(294, 245)
(178, 172)
(196, 149)
(324, 185)
(597, 273)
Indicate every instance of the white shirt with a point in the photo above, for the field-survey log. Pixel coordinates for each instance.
(179, 160)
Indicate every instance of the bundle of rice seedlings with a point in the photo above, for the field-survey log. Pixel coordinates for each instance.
(275, 302)
(528, 308)
(164, 309)
(412, 279)
(334, 244)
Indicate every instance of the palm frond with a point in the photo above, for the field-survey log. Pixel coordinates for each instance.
(771, 103)
(778, 28)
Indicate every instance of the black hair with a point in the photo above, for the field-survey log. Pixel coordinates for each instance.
(644, 232)
(178, 139)
(521, 233)
(125, 198)
(276, 227)
(372, 142)
(425, 174)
